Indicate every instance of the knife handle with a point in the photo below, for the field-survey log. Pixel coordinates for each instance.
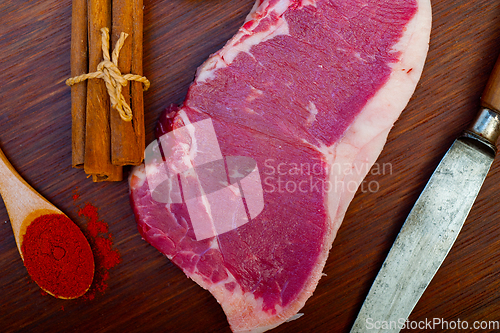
(486, 126)
(491, 94)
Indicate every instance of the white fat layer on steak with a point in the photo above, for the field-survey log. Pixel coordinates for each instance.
(262, 9)
(308, 3)
(244, 40)
(295, 317)
(366, 136)
(140, 173)
(236, 303)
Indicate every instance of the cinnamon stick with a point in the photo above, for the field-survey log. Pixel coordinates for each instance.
(79, 65)
(125, 149)
(137, 87)
(116, 177)
(98, 133)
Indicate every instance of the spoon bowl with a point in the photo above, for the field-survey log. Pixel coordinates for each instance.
(24, 206)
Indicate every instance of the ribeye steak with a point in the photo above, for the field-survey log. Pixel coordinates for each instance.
(257, 167)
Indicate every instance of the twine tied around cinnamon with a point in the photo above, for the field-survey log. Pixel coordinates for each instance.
(108, 71)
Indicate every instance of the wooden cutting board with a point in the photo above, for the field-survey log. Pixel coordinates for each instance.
(146, 292)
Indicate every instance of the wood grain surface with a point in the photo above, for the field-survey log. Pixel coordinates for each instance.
(147, 293)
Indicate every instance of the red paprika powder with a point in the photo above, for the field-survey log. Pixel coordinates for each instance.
(101, 242)
(58, 256)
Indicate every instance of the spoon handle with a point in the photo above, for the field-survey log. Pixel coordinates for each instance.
(20, 199)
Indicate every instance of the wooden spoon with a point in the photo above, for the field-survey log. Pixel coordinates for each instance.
(24, 205)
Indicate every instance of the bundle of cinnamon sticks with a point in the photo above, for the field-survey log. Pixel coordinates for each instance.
(102, 142)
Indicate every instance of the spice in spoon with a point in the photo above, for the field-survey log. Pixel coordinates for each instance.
(58, 256)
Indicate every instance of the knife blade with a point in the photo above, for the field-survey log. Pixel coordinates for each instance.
(434, 222)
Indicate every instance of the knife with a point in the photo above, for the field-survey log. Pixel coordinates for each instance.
(434, 222)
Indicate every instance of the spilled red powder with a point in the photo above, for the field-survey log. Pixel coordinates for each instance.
(75, 197)
(96, 227)
(101, 242)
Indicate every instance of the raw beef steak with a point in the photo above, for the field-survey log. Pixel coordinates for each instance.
(257, 168)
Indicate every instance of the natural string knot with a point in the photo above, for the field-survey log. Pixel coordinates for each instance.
(109, 72)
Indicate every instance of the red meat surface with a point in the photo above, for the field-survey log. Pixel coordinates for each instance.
(257, 167)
